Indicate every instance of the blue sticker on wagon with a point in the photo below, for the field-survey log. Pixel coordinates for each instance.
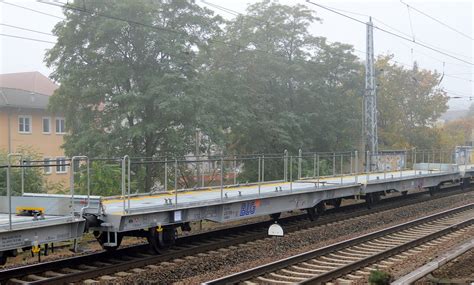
(248, 208)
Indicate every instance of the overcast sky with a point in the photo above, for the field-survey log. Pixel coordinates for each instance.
(19, 55)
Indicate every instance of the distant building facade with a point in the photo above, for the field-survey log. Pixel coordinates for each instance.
(25, 121)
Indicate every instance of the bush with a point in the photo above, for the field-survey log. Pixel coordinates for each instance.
(379, 278)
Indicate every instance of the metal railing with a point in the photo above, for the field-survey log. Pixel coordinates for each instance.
(218, 173)
(72, 188)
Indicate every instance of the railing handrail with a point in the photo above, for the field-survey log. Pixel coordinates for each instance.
(72, 190)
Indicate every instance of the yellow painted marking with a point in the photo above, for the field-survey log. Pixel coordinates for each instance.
(35, 249)
(21, 209)
(172, 193)
(363, 175)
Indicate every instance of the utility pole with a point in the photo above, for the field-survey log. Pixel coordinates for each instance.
(370, 102)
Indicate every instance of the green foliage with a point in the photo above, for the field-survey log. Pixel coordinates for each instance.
(379, 278)
(105, 179)
(470, 113)
(125, 88)
(282, 88)
(34, 180)
(259, 83)
(409, 103)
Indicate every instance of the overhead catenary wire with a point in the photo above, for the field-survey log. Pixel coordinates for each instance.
(403, 33)
(169, 30)
(26, 29)
(394, 29)
(26, 38)
(32, 10)
(433, 48)
(411, 23)
(236, 13)
(437, 20)
(137, 23)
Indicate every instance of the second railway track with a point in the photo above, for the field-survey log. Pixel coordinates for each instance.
(97, 264)
(350, 261)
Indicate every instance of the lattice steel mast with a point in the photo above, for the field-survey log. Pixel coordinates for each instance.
(370, 101)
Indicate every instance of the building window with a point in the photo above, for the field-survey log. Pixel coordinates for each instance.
(61, 165)
(60, 126)
(46, 125)
(46, 165)
(24, 124)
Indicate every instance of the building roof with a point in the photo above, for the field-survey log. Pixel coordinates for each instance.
(10, 97)
(28, 81)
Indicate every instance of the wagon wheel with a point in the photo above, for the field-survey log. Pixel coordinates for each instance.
(161, 238)
(3, 258)
(275, 216)
(312, 214)
(336, 203)
(102, 239)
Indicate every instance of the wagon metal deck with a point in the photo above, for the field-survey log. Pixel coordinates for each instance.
(54, 224)
(237, 202)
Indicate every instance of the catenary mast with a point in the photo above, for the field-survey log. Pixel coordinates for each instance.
(370, 102)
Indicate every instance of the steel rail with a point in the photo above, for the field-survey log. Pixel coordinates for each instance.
(205, 241)
(328, 276)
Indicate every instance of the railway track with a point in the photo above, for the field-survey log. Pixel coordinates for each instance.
(92, 265)
(352, 260)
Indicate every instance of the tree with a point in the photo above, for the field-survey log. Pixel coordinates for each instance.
(281, 85)
(470, 112)
(127, 88)
(274, 86)
(34, 180)
(409, 103)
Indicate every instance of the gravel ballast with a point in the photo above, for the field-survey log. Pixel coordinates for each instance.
(211, 265)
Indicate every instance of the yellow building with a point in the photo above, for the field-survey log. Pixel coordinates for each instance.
(26, 123)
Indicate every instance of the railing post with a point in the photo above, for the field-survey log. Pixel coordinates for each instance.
(166, 175)
(356, 166)
(384, 171)
(465, 160)
(222, 177)
(263, 168)
(73, 159)
(299, 163)
(9, 194)
(314, 165)
(129, 183)
(401, 168)
(351, 164)
(368, 165)
(235, 170)
(334, 164)
(414, 161)
(428, 160)
(285, 165)
(176, 182)
(9, 191)
(317, 163)
(203, 170)
(291, 174)
(123, 182)
(440, 159)
(342, 169)
(405, 160)
(88, 183)
(22, 176)
(259, 173)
